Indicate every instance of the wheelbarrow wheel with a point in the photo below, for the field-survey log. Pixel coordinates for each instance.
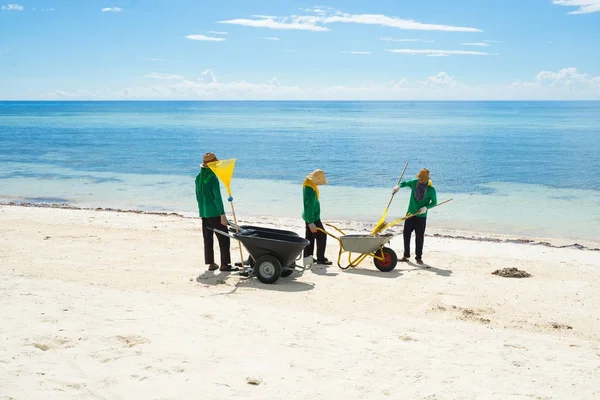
(286, 272)
(390, 259)
(267, 269)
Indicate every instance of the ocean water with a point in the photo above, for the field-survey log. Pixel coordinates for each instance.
(519, 168)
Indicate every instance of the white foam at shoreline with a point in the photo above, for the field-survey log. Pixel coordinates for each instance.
(505, 209)
(348, 227)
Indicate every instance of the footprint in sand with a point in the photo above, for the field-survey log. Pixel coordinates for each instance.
(130, 341)
(466, 314)
(46, 344)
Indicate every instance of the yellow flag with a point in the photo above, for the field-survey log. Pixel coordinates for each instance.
(224, 171)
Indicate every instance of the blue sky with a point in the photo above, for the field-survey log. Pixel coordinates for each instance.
(245, 49)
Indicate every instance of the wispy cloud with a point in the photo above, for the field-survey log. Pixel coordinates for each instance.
(13, 7)
(318, 10)
(205, 38)
(318, 20)
(112, 9)
(218, 33)
(494, 41)
(477, 44)
(163, 77)
(390, 39)
(438, 53)
(394, 22)
(356, 52)
(584, 6)
(269, 38)
(295, 23)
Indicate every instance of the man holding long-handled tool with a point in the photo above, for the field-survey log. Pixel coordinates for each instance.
(422, 197)
(210, 208)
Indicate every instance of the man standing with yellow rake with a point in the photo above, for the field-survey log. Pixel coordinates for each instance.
(422, 197)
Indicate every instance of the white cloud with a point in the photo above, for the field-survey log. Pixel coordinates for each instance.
(218, 33)
(394, 22)
(438, 53)
(440, 80)
(565, 84)
(112, 9)
(569, 78)
(13, 7)
(208, 77)
(494, 41)
(318, 10)
(205, 38)
(584, 6)
(284, 23)
(321, 17)
(270, 38)
(167, 77)
(389, 39)
(356, 52)
(477, 44)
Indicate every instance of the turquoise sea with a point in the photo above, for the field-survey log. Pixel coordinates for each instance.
(519, 168)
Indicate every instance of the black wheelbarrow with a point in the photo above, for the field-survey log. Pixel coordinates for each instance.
(273, 253)
(260, 228)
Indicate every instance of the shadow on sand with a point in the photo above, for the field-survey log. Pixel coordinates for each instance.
(233, 280)
(426, 267)
(322, 270)
(289, 285)
(374, 272)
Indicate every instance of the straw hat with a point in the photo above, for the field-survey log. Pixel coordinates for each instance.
(208, 157)
(317, 177)
(423, 175)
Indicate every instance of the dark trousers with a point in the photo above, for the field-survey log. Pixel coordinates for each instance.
(215, 223)
(321, 242)
(416, 224)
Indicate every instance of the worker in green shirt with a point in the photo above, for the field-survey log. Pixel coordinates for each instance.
(422, 197)
(210, 208)
(312, 216)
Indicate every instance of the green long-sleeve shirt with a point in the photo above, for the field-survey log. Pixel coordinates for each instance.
(208, 194)
(312, 206)
(429, 200)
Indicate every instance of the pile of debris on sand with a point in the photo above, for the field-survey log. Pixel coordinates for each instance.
(511, 273)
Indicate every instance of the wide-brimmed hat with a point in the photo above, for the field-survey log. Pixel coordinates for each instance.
(423, 175)
(208, 157)
(317, 177)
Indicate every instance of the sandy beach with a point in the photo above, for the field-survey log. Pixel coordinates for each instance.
(111, 305)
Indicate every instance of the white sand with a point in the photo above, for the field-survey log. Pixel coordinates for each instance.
(106, 305)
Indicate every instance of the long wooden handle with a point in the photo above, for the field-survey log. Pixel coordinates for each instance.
(237, 230)
(399, 180)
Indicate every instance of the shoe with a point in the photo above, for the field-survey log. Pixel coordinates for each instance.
(228, 268)
(324, 262)
(419, 261)
(213, 267)
(404, 259)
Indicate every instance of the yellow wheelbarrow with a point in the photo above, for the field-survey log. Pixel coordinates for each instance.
(370, 245)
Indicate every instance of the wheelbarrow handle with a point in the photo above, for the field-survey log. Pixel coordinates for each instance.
(328, 233)
(336, 228)
(222, 233)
